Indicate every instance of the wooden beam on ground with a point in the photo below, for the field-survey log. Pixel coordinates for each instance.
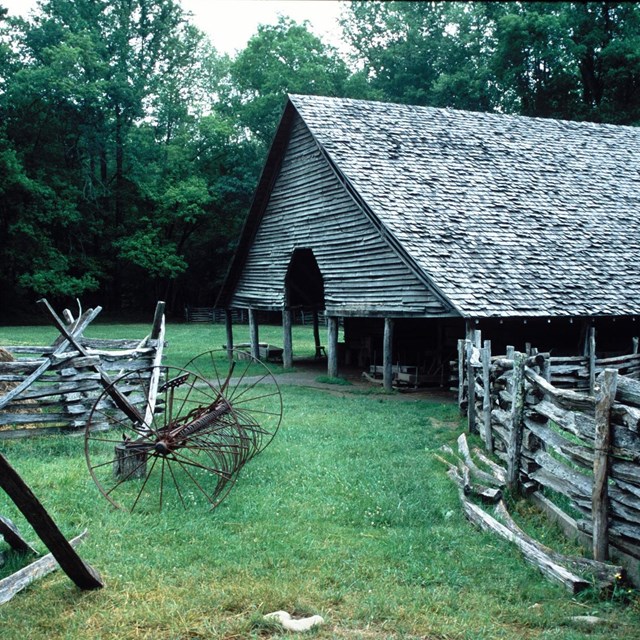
(531, 552)
(39, 568)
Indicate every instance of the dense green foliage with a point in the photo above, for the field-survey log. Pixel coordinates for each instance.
(130, 148)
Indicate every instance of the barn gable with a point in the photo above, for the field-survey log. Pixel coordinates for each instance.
(423, 211)
(304, 209)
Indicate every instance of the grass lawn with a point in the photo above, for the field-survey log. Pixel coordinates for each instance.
(346, 514)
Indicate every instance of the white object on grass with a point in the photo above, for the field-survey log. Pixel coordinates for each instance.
(302, 624)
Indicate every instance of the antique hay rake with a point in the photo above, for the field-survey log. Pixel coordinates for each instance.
(183, 434)
(163, 433)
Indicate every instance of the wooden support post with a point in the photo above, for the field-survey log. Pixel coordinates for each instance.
(605, 395)
(253, 334)
(287, 341)
(471, 389)
(461, 371)
(476, 338)
(228, 324)
(634, 342)
(387, 355)
(591, 352)
(332, 347)
(316, 334)
(485, 357)
(514, 444)
(129, 464)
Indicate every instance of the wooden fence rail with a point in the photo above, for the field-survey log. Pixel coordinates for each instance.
(568, 433)
(52, 389)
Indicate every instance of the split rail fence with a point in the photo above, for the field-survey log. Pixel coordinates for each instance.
(52, 389)
(567, 431)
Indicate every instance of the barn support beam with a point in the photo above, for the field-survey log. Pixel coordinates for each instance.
(287, 340)
(228, 323)
(253, 334)
(387, 355)
(332, 347)
(316, 334)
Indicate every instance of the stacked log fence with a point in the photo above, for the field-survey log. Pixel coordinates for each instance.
(567, 433)
(58, 386)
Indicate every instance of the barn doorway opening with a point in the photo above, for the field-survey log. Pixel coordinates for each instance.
(303, 282)
(304, 290)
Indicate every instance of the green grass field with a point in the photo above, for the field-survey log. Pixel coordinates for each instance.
(347, 514)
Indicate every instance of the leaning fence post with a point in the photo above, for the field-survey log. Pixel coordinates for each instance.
(605, 391)
(514, 443)
(485, 356)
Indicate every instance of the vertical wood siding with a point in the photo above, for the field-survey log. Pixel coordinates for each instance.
(310, 208)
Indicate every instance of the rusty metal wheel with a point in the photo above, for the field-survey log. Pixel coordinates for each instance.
(183, 444)
(250, 388)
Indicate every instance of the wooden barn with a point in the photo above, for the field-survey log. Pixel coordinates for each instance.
(410, 226)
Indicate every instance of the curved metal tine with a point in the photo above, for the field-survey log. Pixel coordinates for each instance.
(227, 451)
(247, 414)
(184, 460)
(187, 398)
(193, 479)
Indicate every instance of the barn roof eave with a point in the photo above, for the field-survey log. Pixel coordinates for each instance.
(268, 176)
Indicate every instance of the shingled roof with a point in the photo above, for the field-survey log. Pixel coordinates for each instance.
(505, 215)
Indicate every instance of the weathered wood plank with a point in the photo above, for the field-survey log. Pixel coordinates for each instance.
(16, 582)
(532, 553)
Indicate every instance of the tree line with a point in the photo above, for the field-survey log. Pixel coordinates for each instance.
(130, 147)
